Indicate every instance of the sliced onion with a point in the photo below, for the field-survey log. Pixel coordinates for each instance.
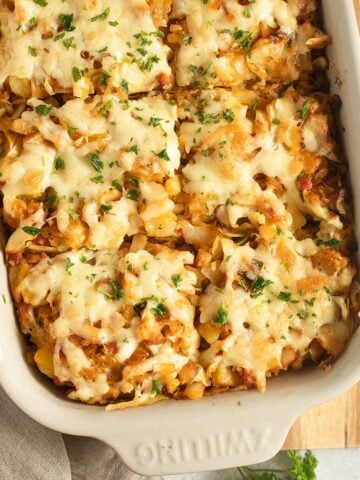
(138, 243)
(198, 235)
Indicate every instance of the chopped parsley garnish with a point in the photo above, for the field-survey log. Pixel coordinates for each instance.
(125, 86)
(156, 387)
(154, 121)
(105, 109)
(105, 208)
(43, 109)
(104, 79)
(258, 285)
(66, 20)
(133, 195)
(116, 184)
(32, 23)
(186, 40)
(95, 161)
(153, 298)
(133, 148)
(143, 39)
(201, 72)
(303, 314)
(304, 110)
(68, 43)
(147, 65)
(332, 243)
(134, 182)
(113, 23)
(159, 310)
(247, 12)
(286, 297)
(329, 291)
(144, 62)
(310, 302)
(117, 292)
(163, 154)
(276, 121)
(32, 51)
(68, 265)
(142, 51)
(206, 118)
(42, 3)
(229, 115)
(176, 279)
(103, 16)
(221, 316)
(194, 69)
(51, 200)
(97, 179)
(31, 230)
(243, 38)
(73, 214)
(59, 37)
(59, 163)
(76, 74)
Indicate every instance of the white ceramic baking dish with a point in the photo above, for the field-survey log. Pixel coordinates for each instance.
(226, 430)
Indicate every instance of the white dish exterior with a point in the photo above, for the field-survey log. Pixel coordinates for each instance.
(218, 432)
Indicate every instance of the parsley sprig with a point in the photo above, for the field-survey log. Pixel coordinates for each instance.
(302, 467)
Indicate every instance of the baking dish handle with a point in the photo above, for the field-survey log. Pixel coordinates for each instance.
(202, 445)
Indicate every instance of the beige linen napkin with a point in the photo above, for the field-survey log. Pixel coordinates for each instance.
(29, 451)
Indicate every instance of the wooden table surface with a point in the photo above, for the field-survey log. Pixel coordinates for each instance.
(335, 424)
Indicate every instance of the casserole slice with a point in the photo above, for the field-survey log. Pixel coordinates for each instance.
(252, 44)
(81, 47)
(273, 306)
(89, 173)
(263, 164)
(112, 324)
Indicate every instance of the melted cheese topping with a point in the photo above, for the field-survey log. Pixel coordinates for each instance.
(230, 144)
(72, 46)
(227, 43)
(92, 303)
(82, 151)
(162, 248)
(274, 299)
(162, 280)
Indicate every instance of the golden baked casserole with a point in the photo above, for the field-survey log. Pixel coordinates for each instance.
(177, 214)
